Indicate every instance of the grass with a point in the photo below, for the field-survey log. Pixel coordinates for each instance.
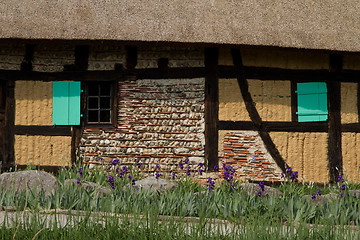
(251, 217)
(150, 228)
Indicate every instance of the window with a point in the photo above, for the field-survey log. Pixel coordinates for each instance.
(66, 103)
(312, 102)
(99, 103)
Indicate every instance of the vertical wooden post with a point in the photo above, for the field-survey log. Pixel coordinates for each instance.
(81, 64)
(334, 126)
(294, 101)
(131, 56)
(211, 107)
(9, 158)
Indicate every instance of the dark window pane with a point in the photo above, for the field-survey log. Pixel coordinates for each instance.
(105, 102)
(93, 103)
(93, 89)
(105, 89)
(105, 116)
(93, 116)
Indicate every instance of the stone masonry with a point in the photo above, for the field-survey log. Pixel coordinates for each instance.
(159, 122)
(246, 153)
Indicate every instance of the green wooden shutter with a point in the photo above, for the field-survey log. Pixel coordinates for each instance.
(66, 103)
(74, 103)
(312, 102)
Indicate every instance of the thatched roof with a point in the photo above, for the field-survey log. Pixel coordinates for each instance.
(313, 24)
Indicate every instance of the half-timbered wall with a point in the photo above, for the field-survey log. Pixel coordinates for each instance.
(161, 116)
(305, 152)
(33, 108)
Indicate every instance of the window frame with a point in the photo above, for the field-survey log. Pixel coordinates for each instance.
(112, 108)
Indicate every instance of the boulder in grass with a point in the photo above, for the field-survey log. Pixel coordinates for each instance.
(254, 188)
(355, 193)
(326, 198)
(152, 184)
(89, 186)
(29, 180)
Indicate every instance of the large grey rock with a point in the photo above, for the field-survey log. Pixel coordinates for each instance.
(254, 188)
(355, 193)
(152, 184)
(30, 179)
(89, 186)
(326, 198)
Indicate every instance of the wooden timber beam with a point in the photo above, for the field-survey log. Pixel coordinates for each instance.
(36, 130)
(8, 129)
(271, 126)
(303, 75)
(253, 113)
(211, 108)
(334, 127)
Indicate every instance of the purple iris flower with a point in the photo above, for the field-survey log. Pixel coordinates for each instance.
(111, 181)
(173, 176)
(115, 162)
(319, 192)
(157, 175)
(201, 171)
(188, 170)
(262, 186)
(216, 168)
(78, 180)
(339, 178)
(200, 165)
(139, 164)
(157, 166)
(313, 196)
(342, 187)
(259, 193)
(294, 175)
(186, 161)
(133, 182)
(181, 166)
(211, 183)
(80, 172)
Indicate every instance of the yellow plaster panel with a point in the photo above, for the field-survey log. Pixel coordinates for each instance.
(351, 156)
(42, 150)
(279, 58)
(349, 112)
(225, 57)
(351, 62)
(33, 103)
(306, 153)
(272, 99)
(231, 103)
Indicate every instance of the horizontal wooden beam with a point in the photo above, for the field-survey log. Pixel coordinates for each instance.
(261, 73)
(303, 75)
(351, 127)
(148, 73)
(286, 126)
(35, 130)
